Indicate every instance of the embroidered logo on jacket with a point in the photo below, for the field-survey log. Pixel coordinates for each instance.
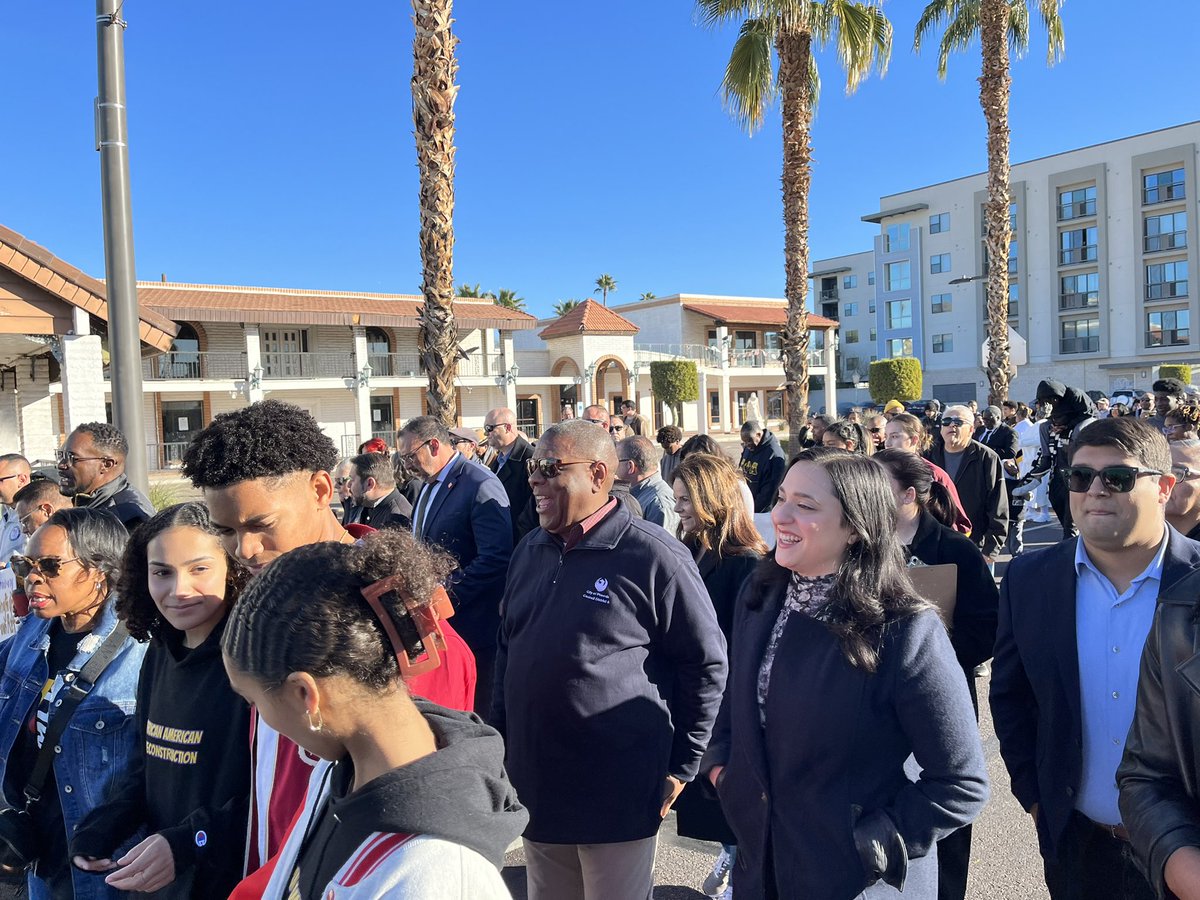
(600, 594)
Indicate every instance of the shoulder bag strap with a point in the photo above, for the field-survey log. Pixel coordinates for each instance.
(76, 687)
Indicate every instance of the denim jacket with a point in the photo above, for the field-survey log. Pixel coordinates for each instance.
(101, 738)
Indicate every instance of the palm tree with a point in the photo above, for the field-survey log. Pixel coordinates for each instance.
(789, 30)
(469, 290)
(1002, 27)
(647, 297)
(605, 284)
(433, 94)
(562, 307)
(510, 300)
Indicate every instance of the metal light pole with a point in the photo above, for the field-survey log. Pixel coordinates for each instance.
(124, 346)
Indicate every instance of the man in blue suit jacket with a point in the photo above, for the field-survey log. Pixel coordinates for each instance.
(1073, 620)
(463, 508)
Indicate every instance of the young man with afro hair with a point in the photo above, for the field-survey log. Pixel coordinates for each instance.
(264, 471)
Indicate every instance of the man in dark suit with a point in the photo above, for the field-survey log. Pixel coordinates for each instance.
(996, 435)
(377, 502)
(978, 479)
(1073, 619)
(512, 449)
(463, 509)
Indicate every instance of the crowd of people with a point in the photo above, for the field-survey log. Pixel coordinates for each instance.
(372, 676)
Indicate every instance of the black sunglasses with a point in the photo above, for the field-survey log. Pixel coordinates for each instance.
(488, 429)
(549, 467)
(50, 566)
(946, 423)
(1116, 479)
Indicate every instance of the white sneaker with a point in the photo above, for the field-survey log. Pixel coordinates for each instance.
(717, 884)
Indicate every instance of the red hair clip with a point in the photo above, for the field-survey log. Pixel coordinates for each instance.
(422, 625)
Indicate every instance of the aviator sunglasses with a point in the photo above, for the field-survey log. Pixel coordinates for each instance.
(50, 566)
(1116, 479)
(549, 467)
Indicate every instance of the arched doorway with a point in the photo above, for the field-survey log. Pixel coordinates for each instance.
(611, 383)
(565, 395)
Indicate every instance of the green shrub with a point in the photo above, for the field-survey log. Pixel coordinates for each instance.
(675, 382)
(1182, 372)
(896, 379)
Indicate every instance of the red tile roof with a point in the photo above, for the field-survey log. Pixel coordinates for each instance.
(226, 303)
(62, 280)
(757, 314)
(589, 317)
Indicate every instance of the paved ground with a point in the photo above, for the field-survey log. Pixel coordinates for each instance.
(1005, 864)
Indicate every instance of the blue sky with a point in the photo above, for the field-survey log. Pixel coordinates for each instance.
(271, 139)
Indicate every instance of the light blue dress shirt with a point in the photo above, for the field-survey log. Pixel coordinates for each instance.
(1110, 631)
(425, 498)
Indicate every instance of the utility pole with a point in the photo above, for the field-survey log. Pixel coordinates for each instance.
(112, 140)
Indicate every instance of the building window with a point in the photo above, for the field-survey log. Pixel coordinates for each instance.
(943, 343)
(1079, 336)
(1168, 328)
(1077, 246)
(871, 277)
(852, 336)
(1012, 219)
(712, 338)
(852, 364)
(1165, 232)
(940, 303)
(1013, 250)
(1014, 300)
(871, 306)
(898, 276)
(849, 281)
(899, 314)
(873, 335)
(1163, 186)
(939, 223)
(849, 309)
(772, 340)
(774, 404)
(1165, 281)
(939, 263)
(1077, 203)
(895, 238)
(1079, 291)
(898, 347)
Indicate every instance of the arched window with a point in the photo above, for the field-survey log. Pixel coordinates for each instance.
(187, 341)
(378, 350)
(184, 359)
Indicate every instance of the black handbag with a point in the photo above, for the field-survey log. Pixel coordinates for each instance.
(18, 839)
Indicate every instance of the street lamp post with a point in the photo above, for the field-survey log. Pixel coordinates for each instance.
(120, 276)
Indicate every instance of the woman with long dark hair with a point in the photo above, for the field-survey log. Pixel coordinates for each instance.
(189, 788)
(839, 672)
(70, 572)
(929, 542)
(714, 525)
(905, 432)
(415, 801)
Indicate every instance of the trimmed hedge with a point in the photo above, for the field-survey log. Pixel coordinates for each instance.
(1183, 373)
(896, 379)
(675, 382)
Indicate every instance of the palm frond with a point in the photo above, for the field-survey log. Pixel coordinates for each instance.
(1056, 42)
(957, 37)
(864, 40)
(749, 88)
(934, 14)
(714, 13)
(1018, 27)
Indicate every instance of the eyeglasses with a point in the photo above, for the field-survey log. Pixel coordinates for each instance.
(613, 429)
(1116, 479)
(488, 429)
(603, 422)
(411, 455)
(67, 458)
(946, 423)
(1184, 473)
(549, 467)
(875, 430)
(6, 477)
(50, 566)
(1167, 429)
(341, 482)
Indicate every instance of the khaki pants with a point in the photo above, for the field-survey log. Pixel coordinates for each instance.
(621, 871)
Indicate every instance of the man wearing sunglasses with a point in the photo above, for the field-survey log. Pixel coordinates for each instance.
(1183, 507)
(15, 473)
(91, 471)
(978, 478)
(1073, 621)
(512, 449)
(608, 678)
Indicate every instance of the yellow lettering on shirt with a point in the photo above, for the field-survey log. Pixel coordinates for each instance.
(172, 736)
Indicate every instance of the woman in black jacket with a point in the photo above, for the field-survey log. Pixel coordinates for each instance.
(839, 673)
(928, 542)
(714, 525)
(189, 788)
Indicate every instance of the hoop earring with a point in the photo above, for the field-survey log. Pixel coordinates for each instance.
(320, 723)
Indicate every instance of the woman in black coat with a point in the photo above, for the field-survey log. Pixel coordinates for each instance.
(929, 542)
(839, 673)
(715, 526)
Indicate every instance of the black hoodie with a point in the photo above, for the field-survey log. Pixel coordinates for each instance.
(460, 794)
(763, 466)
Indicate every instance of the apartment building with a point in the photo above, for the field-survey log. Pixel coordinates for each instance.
(1099, 294)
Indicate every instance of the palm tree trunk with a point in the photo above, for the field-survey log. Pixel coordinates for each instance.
(794, 48)
(994, 88)
(434, 92)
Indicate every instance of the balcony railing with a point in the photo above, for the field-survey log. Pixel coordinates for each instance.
(307, 365)
(1166, 290)
(1171, 240)
(351, 442)
(1076, 210)
(647, 353)
(1161, 193)
(1167, 337)
(828, 294)
(1070, 256)
(388, 365)
(166, 456)
(191, 365)
(478, 365)
(1079, 345)
(1078, 301)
